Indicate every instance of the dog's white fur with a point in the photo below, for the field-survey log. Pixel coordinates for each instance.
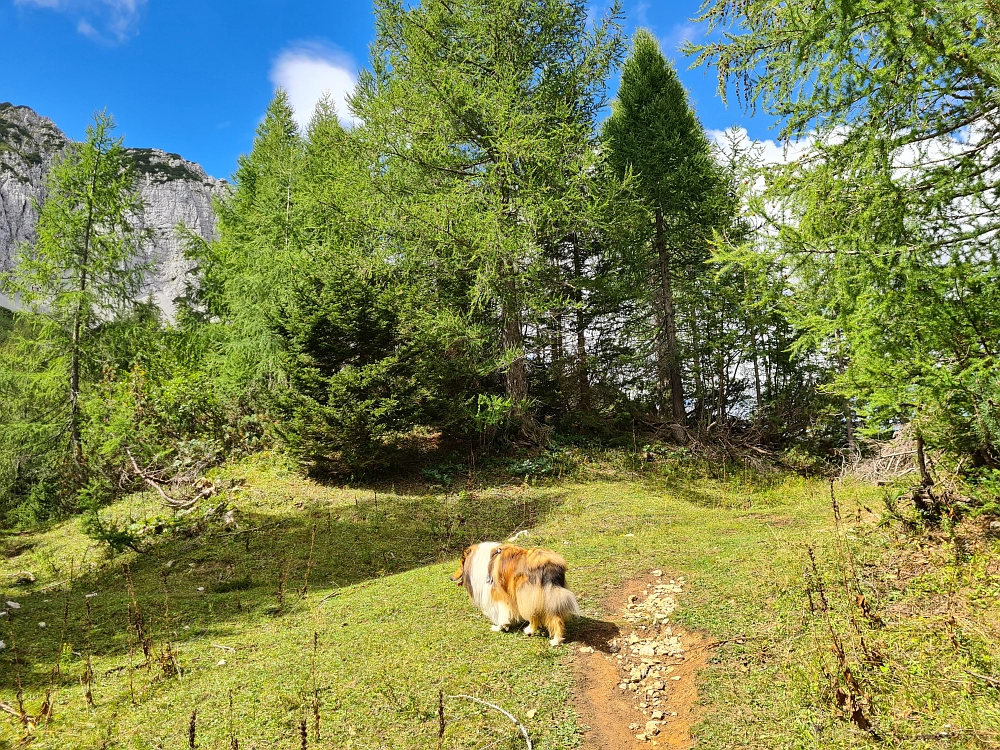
(482, 588)
(530, 587)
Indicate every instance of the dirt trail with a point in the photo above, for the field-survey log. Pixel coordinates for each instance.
(636, 677)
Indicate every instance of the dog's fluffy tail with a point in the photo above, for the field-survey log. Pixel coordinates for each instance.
(560, 601)
(540, 602)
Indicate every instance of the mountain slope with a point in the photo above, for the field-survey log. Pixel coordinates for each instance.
(175, 191)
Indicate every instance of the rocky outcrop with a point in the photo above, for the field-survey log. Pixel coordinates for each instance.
(175, 192)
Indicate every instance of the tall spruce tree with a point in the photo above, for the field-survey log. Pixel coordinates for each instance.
(654, 137)
(85, 267)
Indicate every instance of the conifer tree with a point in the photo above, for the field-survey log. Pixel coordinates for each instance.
(654, 137)
(890, 219)
(85, 267)
(484, 114)
(244, 275)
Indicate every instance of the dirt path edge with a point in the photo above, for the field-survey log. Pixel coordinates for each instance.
(617, 713)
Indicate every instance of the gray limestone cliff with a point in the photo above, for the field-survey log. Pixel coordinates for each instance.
(174, 191)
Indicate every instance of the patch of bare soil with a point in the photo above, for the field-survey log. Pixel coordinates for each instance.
(636, 677)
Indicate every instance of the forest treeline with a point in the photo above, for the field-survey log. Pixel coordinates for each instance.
(486, 257)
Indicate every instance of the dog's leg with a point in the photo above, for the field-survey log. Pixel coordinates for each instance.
(557, 629)
(502, 619)
(533, 627)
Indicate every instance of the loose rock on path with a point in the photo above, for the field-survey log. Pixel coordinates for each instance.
(636, 677)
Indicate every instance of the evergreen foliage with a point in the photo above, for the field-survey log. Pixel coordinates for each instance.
(890, 220)
(84, 271)
(480, 117)
(654, 137)
(480, 262)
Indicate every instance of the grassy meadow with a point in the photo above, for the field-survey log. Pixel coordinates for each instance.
(326, 610)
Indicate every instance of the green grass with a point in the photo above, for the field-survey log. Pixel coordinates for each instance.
(380, 631)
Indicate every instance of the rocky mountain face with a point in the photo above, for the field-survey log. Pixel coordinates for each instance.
(174, 191)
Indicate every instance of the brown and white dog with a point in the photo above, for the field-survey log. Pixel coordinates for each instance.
(512, 584)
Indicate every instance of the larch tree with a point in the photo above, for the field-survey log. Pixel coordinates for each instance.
(247, 271)
(887, 225)
(86, 266)
(654, 138)
(484, 114)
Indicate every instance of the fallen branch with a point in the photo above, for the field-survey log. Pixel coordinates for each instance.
(10, 710)
(224, 648)
(991, 681)
(172, 502)
(524, 732)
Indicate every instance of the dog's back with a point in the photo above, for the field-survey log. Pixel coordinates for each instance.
(532, 582)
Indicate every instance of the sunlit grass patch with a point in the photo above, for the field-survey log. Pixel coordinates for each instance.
(334, 601)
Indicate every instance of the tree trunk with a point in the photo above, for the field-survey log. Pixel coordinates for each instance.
(74, 371)
(516, 380)
(925, 476)
(721, 406)
(700, 397)
(849, 420)
(582, 373)
(756, 377)
(669, 365)
(924, 499)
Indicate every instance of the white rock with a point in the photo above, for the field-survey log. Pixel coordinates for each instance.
(652, 728)
(13, 605)
(41, 624)
(173, 190)
(220, 663)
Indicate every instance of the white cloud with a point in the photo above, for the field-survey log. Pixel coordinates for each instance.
(679, 34)
(307, 72)
(640, 13)
(86, 29)
(759, 154)
(113, 21)
(767, 151)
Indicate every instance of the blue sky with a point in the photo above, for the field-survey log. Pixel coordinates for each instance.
(194, 76)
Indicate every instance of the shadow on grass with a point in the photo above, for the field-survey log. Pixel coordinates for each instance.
(594, 633)
(695, 494)
(202, 582)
